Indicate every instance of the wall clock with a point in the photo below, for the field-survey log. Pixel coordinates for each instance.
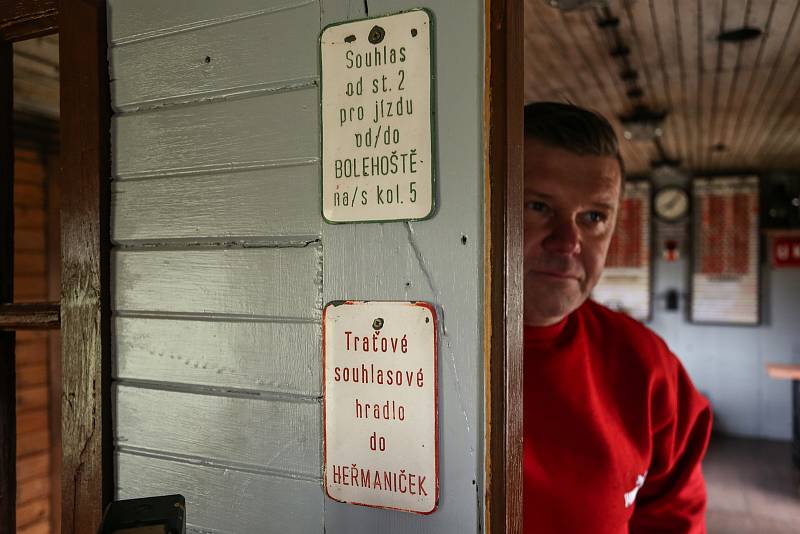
(671, 203)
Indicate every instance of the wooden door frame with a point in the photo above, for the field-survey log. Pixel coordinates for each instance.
(86, 460)
(87, 470)
(503, 131)
(8, 427)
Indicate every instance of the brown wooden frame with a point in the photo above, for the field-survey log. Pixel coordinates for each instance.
(20, 20)
(504, 160)
(8, 427)
(87, 475)
(87, 470)
(34, 316)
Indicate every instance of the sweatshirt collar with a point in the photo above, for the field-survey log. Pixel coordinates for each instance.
(546, 333)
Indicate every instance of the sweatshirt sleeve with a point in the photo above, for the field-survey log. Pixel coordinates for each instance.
(673, 497)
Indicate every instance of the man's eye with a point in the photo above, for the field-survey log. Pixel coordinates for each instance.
(595, 217)
(535, 205)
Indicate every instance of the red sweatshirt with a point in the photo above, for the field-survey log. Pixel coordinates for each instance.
(614, 430)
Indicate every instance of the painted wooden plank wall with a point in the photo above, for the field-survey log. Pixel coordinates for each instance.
(217, 268)
(226, 500)
(237, 354)
(218, 265)
(264, 282)
(272, 205)
(278, 435)
(132, 21)
(228, 58)
(268, 130)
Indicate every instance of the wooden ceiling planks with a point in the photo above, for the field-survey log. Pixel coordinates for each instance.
(771, 97)
(640, 42)
(668, 46)
(683, 49)
(737, 15)
(758, 71)
(732, 106)
(779, 120)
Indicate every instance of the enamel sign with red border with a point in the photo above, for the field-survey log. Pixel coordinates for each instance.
(380, 404)
(786, 250)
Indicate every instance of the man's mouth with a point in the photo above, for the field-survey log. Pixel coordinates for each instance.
(557, 274)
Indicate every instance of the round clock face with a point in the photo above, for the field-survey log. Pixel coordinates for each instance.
(671, 203)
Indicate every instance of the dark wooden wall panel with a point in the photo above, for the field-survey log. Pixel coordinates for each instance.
(34, 443)
(23, 19)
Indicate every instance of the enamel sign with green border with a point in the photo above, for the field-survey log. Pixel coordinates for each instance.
(377, 119)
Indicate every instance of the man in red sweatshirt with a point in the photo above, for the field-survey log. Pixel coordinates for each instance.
(614, 430)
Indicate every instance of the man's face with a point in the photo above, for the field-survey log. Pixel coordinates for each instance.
(571, 204)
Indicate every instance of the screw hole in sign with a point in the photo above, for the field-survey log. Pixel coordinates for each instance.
(376, 35)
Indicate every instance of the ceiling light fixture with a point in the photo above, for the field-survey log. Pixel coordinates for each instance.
(629, 75)
(643, 124)
(745, 33)
(571, 5)
(666, 165)
(635, 92)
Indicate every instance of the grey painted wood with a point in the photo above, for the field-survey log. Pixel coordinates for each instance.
(280, 357)
(728, 363)
(270, 282)
(428, 261)
(274, 204)
(272, 435)
(239, 56)
(222, 446)
(217, 287)
(225, 500)
(137, 20)
(267, 130)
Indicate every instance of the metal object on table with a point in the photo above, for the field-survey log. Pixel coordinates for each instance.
(164, 514)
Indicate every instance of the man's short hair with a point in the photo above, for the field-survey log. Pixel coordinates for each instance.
(572, 128)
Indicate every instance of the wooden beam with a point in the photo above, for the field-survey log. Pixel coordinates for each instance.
(504, 159)
(25, 19)
(35, 316)
(8, 477)
(87, 477)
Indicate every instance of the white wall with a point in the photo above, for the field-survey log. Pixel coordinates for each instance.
(430, 261)
(728, 363)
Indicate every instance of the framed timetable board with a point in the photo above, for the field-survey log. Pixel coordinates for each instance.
(725, 275)
(625, 284)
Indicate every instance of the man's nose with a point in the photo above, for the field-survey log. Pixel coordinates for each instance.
(564, 238)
